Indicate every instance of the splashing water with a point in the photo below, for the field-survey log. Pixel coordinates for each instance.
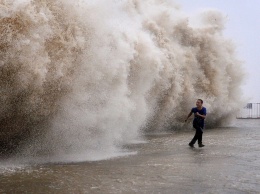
(79, 79)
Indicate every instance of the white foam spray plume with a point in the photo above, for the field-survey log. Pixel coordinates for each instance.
(79, 79)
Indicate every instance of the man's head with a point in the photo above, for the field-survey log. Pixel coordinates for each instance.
(199, 103)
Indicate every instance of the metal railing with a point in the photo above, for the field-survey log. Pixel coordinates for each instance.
(250, 111)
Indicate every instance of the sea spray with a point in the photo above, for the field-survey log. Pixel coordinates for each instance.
(80, 79)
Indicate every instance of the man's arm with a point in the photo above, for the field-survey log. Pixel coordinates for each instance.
(188, 116)
(202, 116)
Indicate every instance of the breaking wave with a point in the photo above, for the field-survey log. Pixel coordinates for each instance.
(79, 79)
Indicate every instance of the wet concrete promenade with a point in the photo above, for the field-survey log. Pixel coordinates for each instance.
(229, 163)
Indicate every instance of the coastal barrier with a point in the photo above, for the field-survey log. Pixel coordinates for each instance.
(250, 111)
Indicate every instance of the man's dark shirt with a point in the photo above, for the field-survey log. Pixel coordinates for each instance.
(197, 119)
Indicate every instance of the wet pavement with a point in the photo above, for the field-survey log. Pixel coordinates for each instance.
(229, 163)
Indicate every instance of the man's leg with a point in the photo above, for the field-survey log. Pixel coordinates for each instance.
(194, 139)
(200, 137)
(196, 136)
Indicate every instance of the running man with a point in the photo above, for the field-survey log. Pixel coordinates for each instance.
(198, 122)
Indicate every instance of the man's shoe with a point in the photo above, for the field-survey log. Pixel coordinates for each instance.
(201, 145)
(191, 145)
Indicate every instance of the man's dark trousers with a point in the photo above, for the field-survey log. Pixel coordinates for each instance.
(198, 134)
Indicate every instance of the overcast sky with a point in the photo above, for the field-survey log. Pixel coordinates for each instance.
(243, 27)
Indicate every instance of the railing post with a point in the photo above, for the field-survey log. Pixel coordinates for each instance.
(252, 112)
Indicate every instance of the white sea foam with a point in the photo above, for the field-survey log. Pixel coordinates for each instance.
(89, 76)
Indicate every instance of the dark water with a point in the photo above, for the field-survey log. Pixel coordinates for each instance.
(229, 163)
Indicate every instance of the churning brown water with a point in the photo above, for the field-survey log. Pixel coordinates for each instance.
(80, 79)
(164, 164)
(84, 81)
